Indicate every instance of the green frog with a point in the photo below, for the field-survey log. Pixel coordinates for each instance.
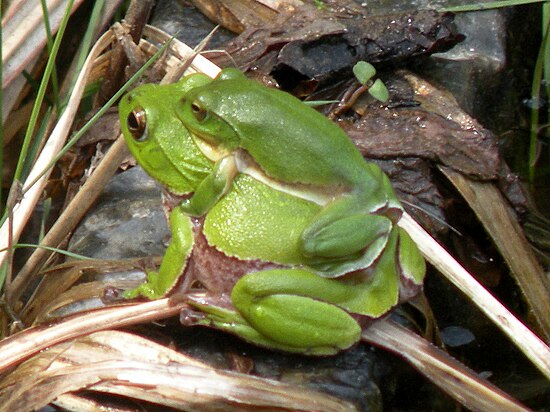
(269, 181)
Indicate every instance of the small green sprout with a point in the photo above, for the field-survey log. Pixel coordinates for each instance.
(320, 4)
(364, 72)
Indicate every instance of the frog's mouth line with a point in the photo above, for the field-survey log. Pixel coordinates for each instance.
(321, 196)
(211, 151)
(247, 165)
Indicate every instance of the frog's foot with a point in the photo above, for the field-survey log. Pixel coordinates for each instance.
(150, 289)
(411, 263)
(297, 309)
(204, 311)
(283, 322)
(212, 311)
(211, 189)
(397, 275)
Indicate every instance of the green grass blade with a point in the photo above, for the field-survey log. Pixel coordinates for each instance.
(49, 45)
(489, 5)
(34, 147)
(3, 275)
(47, 209)
(85, 46)
(41, 92)
(535, 97)
(51, 249)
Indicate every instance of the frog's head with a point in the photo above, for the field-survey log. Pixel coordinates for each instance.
(158, 140)
(210, 109)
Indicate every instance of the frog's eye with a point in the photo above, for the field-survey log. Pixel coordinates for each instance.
(137, 124)
(198, 112)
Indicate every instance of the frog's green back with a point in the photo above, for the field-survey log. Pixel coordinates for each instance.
(269, 122)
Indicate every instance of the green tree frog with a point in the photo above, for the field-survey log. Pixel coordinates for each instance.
(305, 226)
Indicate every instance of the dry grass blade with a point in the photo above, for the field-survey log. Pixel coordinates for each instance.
(123, 364)
(530, 344)
(24, 344)
(181, 51)
(450, 375)
(491, 209)
(40, 171)
(68, 220)
(23, 39)
(78, 286)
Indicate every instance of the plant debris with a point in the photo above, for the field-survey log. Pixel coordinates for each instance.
(322, 45)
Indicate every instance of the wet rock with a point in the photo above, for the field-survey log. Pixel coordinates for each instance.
(128, 220)
(188, 24)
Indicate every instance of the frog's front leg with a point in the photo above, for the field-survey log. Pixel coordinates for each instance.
(212, 188)
(175, 259)
(288, 309)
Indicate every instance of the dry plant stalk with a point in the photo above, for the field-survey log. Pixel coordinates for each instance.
(123, 364)
(529, 343)
(494, 213)
(472, 391)
(23, 39)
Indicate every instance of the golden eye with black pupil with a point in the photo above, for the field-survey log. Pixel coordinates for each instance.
(137, 124)
(198, 112)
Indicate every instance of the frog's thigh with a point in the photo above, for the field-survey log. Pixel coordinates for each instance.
(334, 236)
(292, 307)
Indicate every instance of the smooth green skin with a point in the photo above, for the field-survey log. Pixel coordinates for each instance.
(304, 307)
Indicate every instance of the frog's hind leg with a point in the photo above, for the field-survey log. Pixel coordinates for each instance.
(354, 227)
(287, 309)
(342, 233)
(334, 237)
